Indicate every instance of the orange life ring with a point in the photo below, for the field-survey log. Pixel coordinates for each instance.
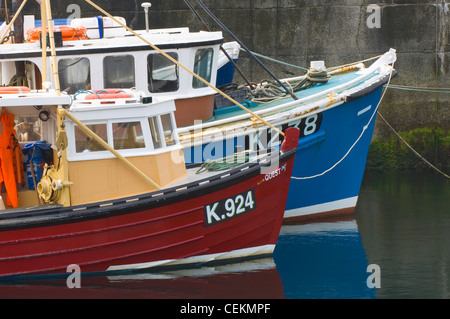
(68, 33)
(14, 89)
(107, 94)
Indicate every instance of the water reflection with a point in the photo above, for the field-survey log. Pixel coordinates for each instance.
(322, 260)
(404, 221)
(252, 279)
(401, 223)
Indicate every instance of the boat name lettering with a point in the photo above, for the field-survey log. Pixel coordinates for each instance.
(275, 173)
(267, 138)
(307, 126)
(230, 207)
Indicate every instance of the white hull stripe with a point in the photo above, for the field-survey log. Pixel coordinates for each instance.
(322, 208)
(364, 110)
(239, 253)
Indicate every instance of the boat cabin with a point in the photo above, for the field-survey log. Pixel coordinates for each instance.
(121, 60)
(144, 133)
(139, 131)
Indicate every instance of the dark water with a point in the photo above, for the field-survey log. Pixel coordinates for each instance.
(402, 224)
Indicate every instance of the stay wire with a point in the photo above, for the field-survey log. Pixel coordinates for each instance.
(412, 149)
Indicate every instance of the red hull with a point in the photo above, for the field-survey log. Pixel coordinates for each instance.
(171, 226)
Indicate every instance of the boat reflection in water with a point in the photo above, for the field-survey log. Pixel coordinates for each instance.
(323, 260)
(254, 279)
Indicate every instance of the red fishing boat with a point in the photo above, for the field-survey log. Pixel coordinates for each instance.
(115, 194)
(107, 188)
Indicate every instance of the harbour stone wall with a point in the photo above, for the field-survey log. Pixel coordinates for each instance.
(338, 32)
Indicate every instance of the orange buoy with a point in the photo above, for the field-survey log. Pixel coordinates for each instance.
(14, 89)
(68, 33)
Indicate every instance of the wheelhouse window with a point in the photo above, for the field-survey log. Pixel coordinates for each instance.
(118, 71)
(28, 129)
(128, 135)
(84, 143)
(202, 67)
(167, 129)
(162, 73)
(125, 135)
(154, 131)
(74, 74)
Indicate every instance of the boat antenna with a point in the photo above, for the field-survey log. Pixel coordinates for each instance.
(246, 49)
(154, 47)
(146, 6)
(221, 47)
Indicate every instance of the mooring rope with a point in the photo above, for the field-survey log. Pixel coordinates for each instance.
(305, 69)
(276, 61)
(412, 149)
(420, 89)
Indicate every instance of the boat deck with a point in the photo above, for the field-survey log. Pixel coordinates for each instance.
(193, 178)
(334, 81)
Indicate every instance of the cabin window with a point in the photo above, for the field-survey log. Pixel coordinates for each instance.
(167, 129)
(84, 143)
(154, 130)
(118, 71)
(162, 73)
(28, 129)
(203, 66)
(127, 135)
(74, 74)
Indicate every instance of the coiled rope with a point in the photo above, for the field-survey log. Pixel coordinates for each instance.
(269, 91)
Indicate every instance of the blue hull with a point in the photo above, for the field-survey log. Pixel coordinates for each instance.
(332, 178)
(325, 139)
